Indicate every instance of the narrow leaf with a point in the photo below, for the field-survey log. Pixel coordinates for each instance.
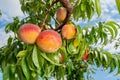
(118, 72)
(118, 5)
(110, 30)
(98, 7)
(22, 53)
(48, 59)
(25, 69)
(105, 61)
(78, 37)
(35, 57)
(30, 63)
(6, 73)
(113, 26)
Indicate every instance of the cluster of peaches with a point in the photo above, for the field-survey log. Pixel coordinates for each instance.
(48, 41)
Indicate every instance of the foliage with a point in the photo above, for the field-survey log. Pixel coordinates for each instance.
(118, 6)
(20, 61)
(0, 13)
(106, 59)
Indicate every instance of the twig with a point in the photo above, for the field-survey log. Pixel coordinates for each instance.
(69, 9)
(50, 26)
(48, 11)
(56, 21)
(75, 2)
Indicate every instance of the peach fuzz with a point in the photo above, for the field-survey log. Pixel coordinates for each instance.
(49, 41)
(68, 31)
(28, 33)
(61, 14)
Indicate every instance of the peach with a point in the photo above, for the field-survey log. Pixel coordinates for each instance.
(61, 14)
(68, 31)
(49, 41)
(28, 33)
(86, 55)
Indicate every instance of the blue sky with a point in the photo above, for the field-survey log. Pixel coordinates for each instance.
(11, 8)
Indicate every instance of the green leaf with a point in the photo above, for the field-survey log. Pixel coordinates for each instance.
(35, 57)
(78, 37)
(54, 57)
(105, 61)
(51, 1)
(99, 59)
(83, 7)
(82, 47)
(8, 27)
(71, 48)
(96, 54)
(91, 58)
(30, 63)
(13, 72)
(98, 7)
(6, 73)
(68, 46)
(78, 2)
(105, 38)
(118, 57)
(21, 53)
(48, 59)
(100, 56)
(113, 64)
(13, 68)
(110, 30)
(92, 36)
(63, 51)
(89, 9)
(115, 61)
(118, 4)
(113, 26)
(0, 13)
(60, 73)
(70, 67)
(20, 73)
(112, 67)
(9, 41)
(48, 70)
(41, 60)
(25, 68)
(77, 12)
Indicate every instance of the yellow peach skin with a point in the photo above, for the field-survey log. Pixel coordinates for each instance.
(49, 41)
(68, 31)
(28, 33)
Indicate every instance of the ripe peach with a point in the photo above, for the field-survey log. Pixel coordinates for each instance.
(49, 41)
(68, 31)
(28, 33)
(61, 14)
(85, 56)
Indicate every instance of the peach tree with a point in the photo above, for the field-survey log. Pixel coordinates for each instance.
(48, 44)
